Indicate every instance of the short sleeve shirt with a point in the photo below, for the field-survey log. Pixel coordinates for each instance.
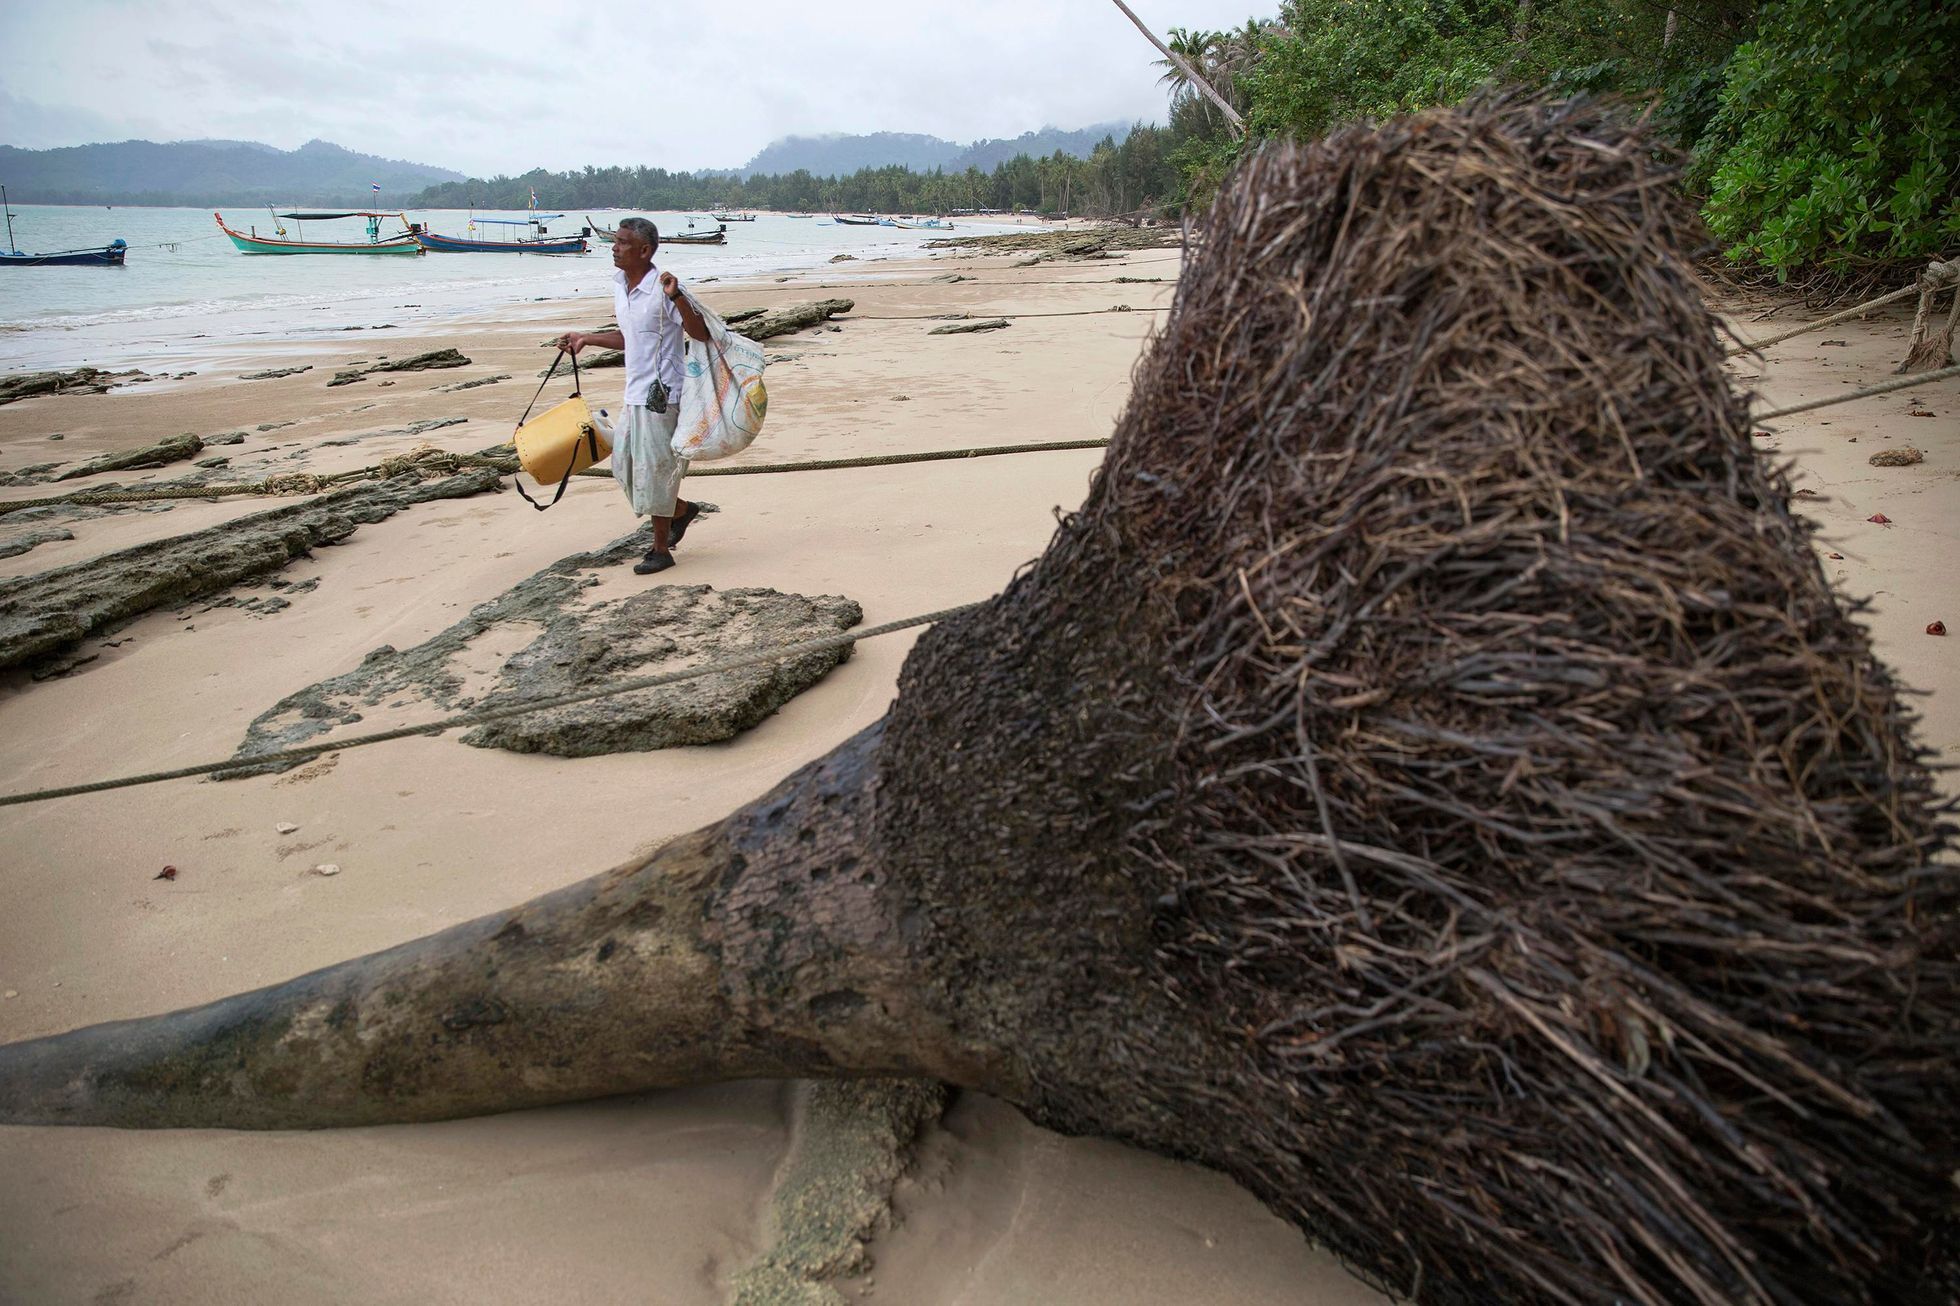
(651, 327)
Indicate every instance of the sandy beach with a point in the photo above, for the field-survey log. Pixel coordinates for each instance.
(662, 1197)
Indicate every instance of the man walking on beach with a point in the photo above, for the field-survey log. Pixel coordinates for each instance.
(652, 313)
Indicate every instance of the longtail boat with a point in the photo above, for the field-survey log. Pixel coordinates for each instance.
(843, 221)
(110, 255)
(719, 236)
(250, 242)
(542, 243)
(733, 217)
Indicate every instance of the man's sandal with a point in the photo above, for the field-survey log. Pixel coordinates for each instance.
(654, 561)
(678, 526)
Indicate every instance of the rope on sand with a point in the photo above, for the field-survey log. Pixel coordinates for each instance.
(1752, 346)
(1884, 387)
(308, 751)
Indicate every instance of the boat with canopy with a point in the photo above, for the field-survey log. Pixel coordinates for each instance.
(283, 242)
(110, 255)
(540, 242)
(719, 236)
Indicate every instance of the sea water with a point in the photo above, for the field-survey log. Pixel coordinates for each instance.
(186, 293)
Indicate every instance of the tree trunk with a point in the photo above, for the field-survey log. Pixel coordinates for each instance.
(1429, 780)
(1190, 74)
(765, 946)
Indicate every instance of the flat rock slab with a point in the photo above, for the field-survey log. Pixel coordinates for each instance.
(81, 381)
(173, 449)
(580, 645)
(966, 328)
(52, 611)
(433, 360)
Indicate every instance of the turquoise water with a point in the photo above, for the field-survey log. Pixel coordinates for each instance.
(185, 287)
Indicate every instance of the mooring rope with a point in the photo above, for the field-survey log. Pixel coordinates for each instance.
(1884, 387)
(1752, 346)
(483, 716)
(982, 317)
(84, 498)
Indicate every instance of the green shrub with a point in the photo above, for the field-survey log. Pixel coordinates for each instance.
(1836, 138)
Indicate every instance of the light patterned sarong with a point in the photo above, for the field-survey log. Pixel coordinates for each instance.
(643, 460)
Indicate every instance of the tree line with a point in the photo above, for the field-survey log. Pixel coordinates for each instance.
(1816, 134)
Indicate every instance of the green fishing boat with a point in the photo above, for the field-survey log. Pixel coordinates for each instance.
(250, 242)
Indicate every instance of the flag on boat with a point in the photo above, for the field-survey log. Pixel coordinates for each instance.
(376, 188)
(534, 197)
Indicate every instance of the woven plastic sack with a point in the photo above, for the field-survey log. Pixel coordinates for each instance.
(722, 396)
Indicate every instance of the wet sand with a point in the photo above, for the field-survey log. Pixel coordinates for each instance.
(658, 1197)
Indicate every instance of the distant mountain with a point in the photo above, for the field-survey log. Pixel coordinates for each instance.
(208, 172)
(837, 155)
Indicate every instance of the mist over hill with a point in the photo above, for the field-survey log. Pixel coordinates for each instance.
(209, 172)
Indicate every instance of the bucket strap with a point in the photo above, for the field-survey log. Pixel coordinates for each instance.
(591, 435)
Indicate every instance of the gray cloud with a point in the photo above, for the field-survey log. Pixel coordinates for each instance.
(504, 85)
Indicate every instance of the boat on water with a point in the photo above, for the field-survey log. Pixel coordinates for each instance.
(109, 255)
(250, 242)
(732, 217)
(929, 224)
(719, 236)
(799, 215)
(540, 241)
(862, 220)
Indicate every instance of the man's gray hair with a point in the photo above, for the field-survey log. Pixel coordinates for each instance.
(644, 230)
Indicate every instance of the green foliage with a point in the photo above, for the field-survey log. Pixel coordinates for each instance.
(1837, 138)
(1140, 173)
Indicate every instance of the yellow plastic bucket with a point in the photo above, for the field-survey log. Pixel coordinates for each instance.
(561, 442)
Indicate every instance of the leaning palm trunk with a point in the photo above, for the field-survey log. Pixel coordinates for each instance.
(1430, 780)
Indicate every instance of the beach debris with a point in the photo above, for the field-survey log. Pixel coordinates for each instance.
(1835, 557)
(286, 827)
(327, 868)
(274, 373)
(1920, 412)
(1904, 457)
(1879, 519)
(10, 994)
(579, 645)
(843, 258)
(1936, 628)
(81, 381)
(53, 610)
(57, 436)
(1824, 344)
(1520, 873)
(1075, 243)
(172, 449)
(965, 328)
(167, 873)
(13, 546)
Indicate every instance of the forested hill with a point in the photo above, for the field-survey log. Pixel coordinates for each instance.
(840, 155)
(209, 172)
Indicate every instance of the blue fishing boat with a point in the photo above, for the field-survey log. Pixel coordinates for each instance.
(109, 255)
(541, 242)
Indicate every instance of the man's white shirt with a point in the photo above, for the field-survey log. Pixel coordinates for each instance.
(651, 327)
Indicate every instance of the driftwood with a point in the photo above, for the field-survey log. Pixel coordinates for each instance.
(1927, 349)
(1430, 780)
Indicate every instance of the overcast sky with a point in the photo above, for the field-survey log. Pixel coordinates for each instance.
(488, 86)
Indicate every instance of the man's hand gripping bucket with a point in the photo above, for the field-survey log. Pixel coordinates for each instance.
(562, 441)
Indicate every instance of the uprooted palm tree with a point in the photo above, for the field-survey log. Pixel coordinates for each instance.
(1430, 780)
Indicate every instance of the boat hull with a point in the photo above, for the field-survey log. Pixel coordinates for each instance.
(110, 256)
(436, 244)
(715, 238)
(249, 244)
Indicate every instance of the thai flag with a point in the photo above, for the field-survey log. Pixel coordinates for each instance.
(376, 187)
(534, 197)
